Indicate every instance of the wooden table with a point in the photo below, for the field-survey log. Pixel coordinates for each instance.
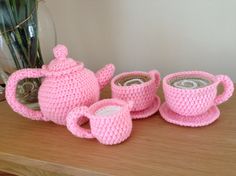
(155, 148)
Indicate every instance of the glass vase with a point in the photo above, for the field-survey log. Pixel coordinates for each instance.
(26, 41)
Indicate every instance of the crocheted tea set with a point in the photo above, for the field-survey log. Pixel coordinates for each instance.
(69, 96)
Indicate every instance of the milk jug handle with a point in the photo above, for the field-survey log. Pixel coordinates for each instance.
(11, 87)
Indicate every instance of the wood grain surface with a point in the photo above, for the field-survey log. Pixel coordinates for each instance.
(155, 148)
(5, 174)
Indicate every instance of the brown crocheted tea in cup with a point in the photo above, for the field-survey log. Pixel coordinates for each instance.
(189, 82)
(131, 80)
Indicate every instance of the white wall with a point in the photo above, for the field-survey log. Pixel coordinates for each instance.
(168, 35)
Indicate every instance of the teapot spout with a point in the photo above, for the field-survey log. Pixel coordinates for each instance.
(105, 75)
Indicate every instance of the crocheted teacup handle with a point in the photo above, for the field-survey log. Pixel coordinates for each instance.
(228, 89)
(75, 119)
(156, 76)
(11, 93)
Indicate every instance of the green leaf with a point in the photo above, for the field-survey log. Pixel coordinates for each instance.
(21, 40)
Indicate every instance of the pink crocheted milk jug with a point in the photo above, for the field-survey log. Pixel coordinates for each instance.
(66, 84)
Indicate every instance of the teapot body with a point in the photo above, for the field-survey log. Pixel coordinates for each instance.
(59, 94)
(66, 83)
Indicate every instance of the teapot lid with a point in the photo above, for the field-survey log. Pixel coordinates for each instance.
(61, 63)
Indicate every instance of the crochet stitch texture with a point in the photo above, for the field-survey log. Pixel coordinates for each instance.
(192, 102)
(142, 95)
(108, 130)
(66, 84)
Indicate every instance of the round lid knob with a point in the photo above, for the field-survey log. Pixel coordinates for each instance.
(60, 52)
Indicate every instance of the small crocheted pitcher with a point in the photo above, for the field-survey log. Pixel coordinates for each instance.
(66, 84)
(110, 121)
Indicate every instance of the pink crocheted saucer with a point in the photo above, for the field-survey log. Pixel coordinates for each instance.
(194, 121)
(147, 112)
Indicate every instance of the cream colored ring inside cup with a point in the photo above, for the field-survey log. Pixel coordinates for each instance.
(129, 80)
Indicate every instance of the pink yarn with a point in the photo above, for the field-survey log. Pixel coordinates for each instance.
(109, 129)
(228, 89)
(11, 92)
(211, 115)
(66, 84)
(60, 52)
(148, 111)
(103, 73)
(142, 95)
(192, 102)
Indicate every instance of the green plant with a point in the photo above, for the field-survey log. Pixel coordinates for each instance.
(19, 28)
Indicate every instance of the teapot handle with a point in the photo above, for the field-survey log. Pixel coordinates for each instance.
(11, 92)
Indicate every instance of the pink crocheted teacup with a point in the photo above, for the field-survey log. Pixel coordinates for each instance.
(139, 87)
(192, 93)
(110, 121)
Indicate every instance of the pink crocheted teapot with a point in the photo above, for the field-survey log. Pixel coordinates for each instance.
(66, 84)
